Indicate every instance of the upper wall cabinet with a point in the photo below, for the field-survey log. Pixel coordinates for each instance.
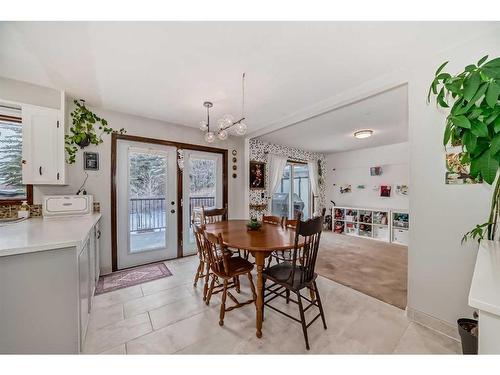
(43, 146)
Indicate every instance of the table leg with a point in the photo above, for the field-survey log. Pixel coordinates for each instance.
(259, 262)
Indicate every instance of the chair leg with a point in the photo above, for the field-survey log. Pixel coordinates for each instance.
(252, 286)
(269, 261)
(210, 290)
(316, 291)
(263, 297)
(199, 271)
(223, 304)
(236, 281)
(207, 279)
(303, 319)
(287, 296)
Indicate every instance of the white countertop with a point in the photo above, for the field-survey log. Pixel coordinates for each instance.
(485, 287)
(37, 234)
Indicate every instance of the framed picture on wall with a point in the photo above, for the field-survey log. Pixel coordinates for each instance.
(257, 175)
(91, 161)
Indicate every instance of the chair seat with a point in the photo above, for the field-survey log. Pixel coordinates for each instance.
(282, 274)
(237, 266)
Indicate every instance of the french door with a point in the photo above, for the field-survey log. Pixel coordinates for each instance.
(146, 197)
(202, 186)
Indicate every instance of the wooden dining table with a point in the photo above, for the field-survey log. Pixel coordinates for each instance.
(260, 243)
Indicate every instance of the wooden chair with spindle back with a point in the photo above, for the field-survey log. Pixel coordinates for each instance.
(275, 220)
(203, 270)
(228, 268)
(270, 219)
(213, 215)
(298, 274)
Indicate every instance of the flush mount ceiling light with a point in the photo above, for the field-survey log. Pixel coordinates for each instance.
(365, 133)
(225, 123)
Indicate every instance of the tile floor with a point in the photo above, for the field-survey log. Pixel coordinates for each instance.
(168, 316)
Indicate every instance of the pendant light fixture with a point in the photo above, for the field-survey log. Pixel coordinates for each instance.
(226, 123)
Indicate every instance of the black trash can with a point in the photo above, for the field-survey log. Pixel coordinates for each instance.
(469, 340)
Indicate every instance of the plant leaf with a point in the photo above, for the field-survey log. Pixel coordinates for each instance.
(470, 141)
(492, 94)
(479, 129)
(496, 126)
(442, 66)
(447, 133)
(488, 167)
(461, 121)
(495, 144)
(495, 63)
(483, 59)
(479, 94)
(471, 85)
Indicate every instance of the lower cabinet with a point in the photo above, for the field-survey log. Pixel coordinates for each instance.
(84, 289)
(46, 297)
(88, 270)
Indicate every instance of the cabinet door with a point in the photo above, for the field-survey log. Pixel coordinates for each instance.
(43, 146)
(84, 289)
(92, 242)
(97, 252)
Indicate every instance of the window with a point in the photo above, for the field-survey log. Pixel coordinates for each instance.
(291, 198)
(12, 189)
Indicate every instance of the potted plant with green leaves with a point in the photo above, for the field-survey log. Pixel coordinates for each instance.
(83, 130)
(473, 123)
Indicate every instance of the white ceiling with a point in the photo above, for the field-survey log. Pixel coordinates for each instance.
(386, 114)
(165, 70)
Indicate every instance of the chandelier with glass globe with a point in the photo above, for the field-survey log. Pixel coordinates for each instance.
(226, 123)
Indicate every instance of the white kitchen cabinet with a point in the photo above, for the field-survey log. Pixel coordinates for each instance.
(47, 312)
(84, 289)
(97, 265)
(43, 146)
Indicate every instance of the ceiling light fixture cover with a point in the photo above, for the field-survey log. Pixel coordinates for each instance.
(225, 123)
(365, 133)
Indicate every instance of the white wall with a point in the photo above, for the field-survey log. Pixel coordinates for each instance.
(353, 167)
(28, 93)
(440, 268)
(99, 182)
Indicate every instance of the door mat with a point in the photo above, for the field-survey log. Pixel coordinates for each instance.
(132, 276)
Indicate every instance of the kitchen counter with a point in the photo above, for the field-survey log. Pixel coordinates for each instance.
(37, 234)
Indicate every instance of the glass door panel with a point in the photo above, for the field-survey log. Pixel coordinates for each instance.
(202, 186)
(292, 198)
(147, 192)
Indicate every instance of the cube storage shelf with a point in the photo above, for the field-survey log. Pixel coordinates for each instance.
(376, 224)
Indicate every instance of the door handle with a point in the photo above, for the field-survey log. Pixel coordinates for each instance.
(40, 170)
(172, 211)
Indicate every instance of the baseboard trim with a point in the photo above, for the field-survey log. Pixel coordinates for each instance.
(433, 323)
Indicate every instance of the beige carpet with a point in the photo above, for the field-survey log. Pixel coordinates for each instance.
(376, 268)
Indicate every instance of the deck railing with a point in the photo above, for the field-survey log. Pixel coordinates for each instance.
(148, 214)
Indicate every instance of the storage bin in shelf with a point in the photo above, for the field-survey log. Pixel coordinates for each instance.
(400, 227)
(381, 233)
(364, 230)
(351, 229)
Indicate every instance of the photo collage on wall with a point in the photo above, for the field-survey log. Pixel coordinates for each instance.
(384, 191)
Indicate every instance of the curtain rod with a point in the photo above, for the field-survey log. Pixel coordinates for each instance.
(292, 158)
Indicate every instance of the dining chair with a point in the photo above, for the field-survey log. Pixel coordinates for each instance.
(295, 275)
(275, 220)
(289, 223)
(203, 270)
(228, 268)
(271, 219)
(213, 215)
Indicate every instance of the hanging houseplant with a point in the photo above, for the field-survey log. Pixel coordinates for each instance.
(83, 132)
(474, 123)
